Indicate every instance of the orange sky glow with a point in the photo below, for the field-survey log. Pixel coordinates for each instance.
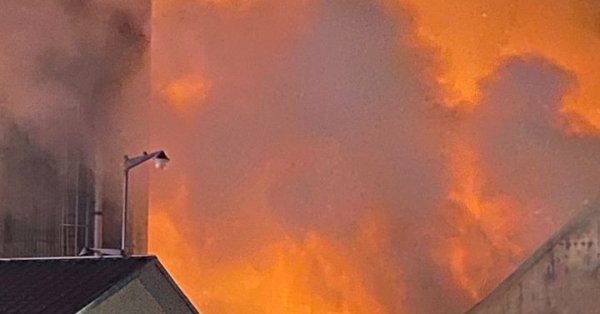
(244, 243)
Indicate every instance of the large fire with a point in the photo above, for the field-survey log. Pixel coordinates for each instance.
(483, 246)
(345, 243)
(279, 273)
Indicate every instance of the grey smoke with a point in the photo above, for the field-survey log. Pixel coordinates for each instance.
(68, 69)
(346, 100)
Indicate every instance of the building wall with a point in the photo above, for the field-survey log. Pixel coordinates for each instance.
(149, 293)
(156, 281)
(74, 97)
(30, 187)
(564, 279)
(134, 298)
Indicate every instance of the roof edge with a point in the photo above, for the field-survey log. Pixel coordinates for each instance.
(174, 285)
(102, 296)
(574, 222)
(11, 259)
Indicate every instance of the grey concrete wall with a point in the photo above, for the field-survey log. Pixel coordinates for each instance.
(564, 278)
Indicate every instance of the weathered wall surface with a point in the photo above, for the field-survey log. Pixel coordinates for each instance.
(563, 276)
(74, 97)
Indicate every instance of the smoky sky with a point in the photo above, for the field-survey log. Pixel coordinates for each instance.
(527, 154)
(64, 65)
(71, 73)
(342, 105)
(319, 114)
(343, 108)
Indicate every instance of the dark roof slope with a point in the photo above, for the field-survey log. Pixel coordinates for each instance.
(62, 285)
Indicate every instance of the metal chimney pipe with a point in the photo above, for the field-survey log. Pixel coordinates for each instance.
(125, 203)
(98, 213)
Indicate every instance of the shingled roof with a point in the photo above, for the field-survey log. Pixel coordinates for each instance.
(67, 285)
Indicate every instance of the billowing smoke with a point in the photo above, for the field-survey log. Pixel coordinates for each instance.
(529, 176)
(71, 75)
(329, 156)
(366, 156)
(64, 63)
(518, 131)
(319, 125)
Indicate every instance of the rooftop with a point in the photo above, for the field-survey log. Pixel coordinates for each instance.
(67, 284)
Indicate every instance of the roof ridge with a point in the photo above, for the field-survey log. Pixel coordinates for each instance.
(63, 285)
(52, 258)
(102, 295)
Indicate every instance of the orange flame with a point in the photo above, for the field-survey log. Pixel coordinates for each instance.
(482, 250)
(280, 279)
(277, 274)
(280, 274)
